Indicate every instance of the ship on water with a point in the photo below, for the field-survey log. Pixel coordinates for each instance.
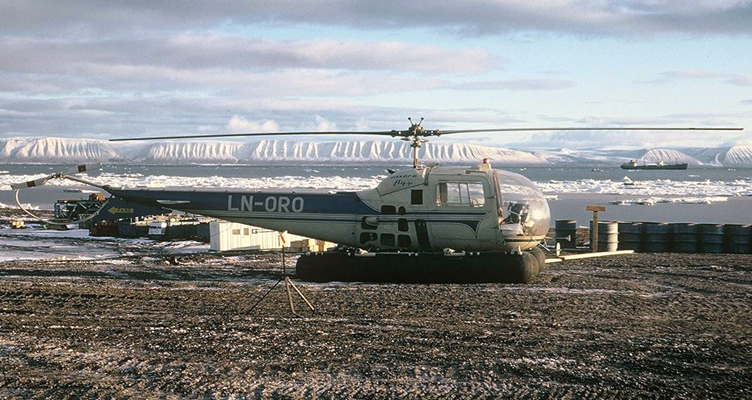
(659, 165)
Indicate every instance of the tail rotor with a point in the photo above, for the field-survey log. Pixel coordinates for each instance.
(17, 187)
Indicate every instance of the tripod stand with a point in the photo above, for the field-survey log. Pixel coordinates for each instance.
(288, 284)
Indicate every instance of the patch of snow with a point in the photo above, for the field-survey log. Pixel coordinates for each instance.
(650, 188)
(674, 200)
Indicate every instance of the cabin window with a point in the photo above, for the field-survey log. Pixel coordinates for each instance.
(460, 194)
(404, 241)
(246, 231)
(387, 239)
(416, 197)
(388, 210)
(236, 231)
(402, 225)
(366, 237)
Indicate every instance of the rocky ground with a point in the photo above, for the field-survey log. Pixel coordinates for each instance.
(154, 325)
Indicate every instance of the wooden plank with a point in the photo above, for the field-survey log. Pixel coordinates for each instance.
(595, 208)
(553, 260)
(598, 254)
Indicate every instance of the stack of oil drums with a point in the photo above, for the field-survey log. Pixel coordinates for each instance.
(690, 238)
(655, 237)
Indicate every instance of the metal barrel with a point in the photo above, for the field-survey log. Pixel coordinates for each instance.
(685, 237)
(737, 237)
(566, 233)
(656, 237)
(608, 235)
(711, 238)
(630, 236)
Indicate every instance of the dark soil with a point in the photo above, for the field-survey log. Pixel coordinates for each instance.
(160, 326)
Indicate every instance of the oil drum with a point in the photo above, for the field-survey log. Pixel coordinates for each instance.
(630, 236)
(656, 236)
(685, 237)
(608, 235)
(737, 238)
(711, 238)
(566, 233)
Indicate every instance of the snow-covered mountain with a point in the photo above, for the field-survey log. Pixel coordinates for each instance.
(56, 150)
(376, 152)
(738, 156)
(188, 153)
(668, 156)
(264, 152)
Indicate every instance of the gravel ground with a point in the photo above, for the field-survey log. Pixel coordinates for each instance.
(162, 326)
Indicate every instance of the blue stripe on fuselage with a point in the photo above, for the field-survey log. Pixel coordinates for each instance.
(281, 205)
(257, 201)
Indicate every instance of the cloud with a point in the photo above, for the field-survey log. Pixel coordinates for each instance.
(211, 50)
(691, 74)
(732, 79)
(323, 125)
(239, 124)
(740, 80)
(516, 85)
(649, 139)
(471, 17)
(211, 65)
(187, 52)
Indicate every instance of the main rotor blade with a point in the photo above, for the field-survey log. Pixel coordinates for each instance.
(30, 184)
(448, 132)
(82, 168)
(426, 132)
(383, 133)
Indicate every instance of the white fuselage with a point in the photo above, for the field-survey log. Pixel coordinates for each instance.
(425, 209)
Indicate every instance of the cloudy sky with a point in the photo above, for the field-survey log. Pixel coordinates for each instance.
(95, 69)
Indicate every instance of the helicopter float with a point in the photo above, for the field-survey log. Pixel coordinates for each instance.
(424, 224)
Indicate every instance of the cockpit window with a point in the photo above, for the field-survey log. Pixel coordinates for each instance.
(523, 208)
(460, 194)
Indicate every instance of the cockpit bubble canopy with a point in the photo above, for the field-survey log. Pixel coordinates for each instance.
(521, 202)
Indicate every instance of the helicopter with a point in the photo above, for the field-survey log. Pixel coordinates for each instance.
(421, 224)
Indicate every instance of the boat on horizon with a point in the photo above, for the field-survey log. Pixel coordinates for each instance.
(659, 165)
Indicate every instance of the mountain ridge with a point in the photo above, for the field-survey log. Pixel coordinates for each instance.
(283, 152)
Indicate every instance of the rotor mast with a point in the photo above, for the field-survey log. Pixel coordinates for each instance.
(414, 134)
